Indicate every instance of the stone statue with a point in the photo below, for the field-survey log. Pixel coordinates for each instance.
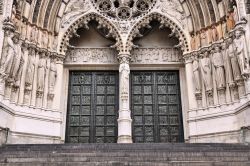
(219, 31)
(198, 40)
(193, 42)
(241, 51)
(230, 21)
(203, 37)
(17, 64)
(41, 73)
(224, 28)
(218, 64)
(206, 72)
(10, 53)
(124, 73)
(196, 72)
(214, 35)
(227, 64)
(52, 76)
(33, 34)
(30, 70)
(233, 60)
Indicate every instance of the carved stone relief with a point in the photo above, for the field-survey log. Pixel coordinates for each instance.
(109, 56)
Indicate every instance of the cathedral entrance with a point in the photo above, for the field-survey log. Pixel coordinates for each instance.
(92, 109)
(156, 107)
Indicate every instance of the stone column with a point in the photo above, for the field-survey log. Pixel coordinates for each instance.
(57, 102)
(124, 120)
(190, 83)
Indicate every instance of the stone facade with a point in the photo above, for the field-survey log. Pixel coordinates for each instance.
(39, 47)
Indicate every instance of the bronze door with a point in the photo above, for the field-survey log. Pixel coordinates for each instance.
(156, 107)
(92, 107)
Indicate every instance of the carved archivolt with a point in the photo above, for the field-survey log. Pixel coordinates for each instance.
(164, 22)
(83, 22)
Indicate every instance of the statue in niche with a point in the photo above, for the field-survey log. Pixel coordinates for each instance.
(17, 64)
(52, 76)
(233, 60)
(227, 64)
(219, 31)
(196, 72)
(206, 72)
(230, 22)
(41, 71)
(203, 38)
(198, 40)
(241, 51)
(224, 28)
(218, 64)
(44, 39)
(214, 35)
(209, 35)
(193, 42)
(30, 70)
(124, 73)
(33, 34)
(11, 51)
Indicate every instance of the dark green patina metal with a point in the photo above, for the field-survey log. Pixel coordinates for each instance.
(92, 107)
(156, 106)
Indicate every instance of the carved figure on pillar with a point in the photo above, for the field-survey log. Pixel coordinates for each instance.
(206, 71)
(52, 76)
(241, 52)
(30, 70)
(196, 71)
(41, 74)
(227, 64)
(18, 62)
(10, 53)
(218, 64)
(124, 73)
(233, 60)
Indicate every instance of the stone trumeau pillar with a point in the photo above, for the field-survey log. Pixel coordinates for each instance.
(190, 83)
(124, 120)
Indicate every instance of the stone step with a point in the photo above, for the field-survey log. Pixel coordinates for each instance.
(115, 163)
(126, 154)
(128, 147)
(120, 159)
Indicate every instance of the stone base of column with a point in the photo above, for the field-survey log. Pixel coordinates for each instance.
(124, 139)
(124, 129)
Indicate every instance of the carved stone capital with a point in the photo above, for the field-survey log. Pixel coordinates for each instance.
(124, 58)
(188, 58)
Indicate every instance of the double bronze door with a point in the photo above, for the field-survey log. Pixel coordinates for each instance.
(156, 107)
(93, 107)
